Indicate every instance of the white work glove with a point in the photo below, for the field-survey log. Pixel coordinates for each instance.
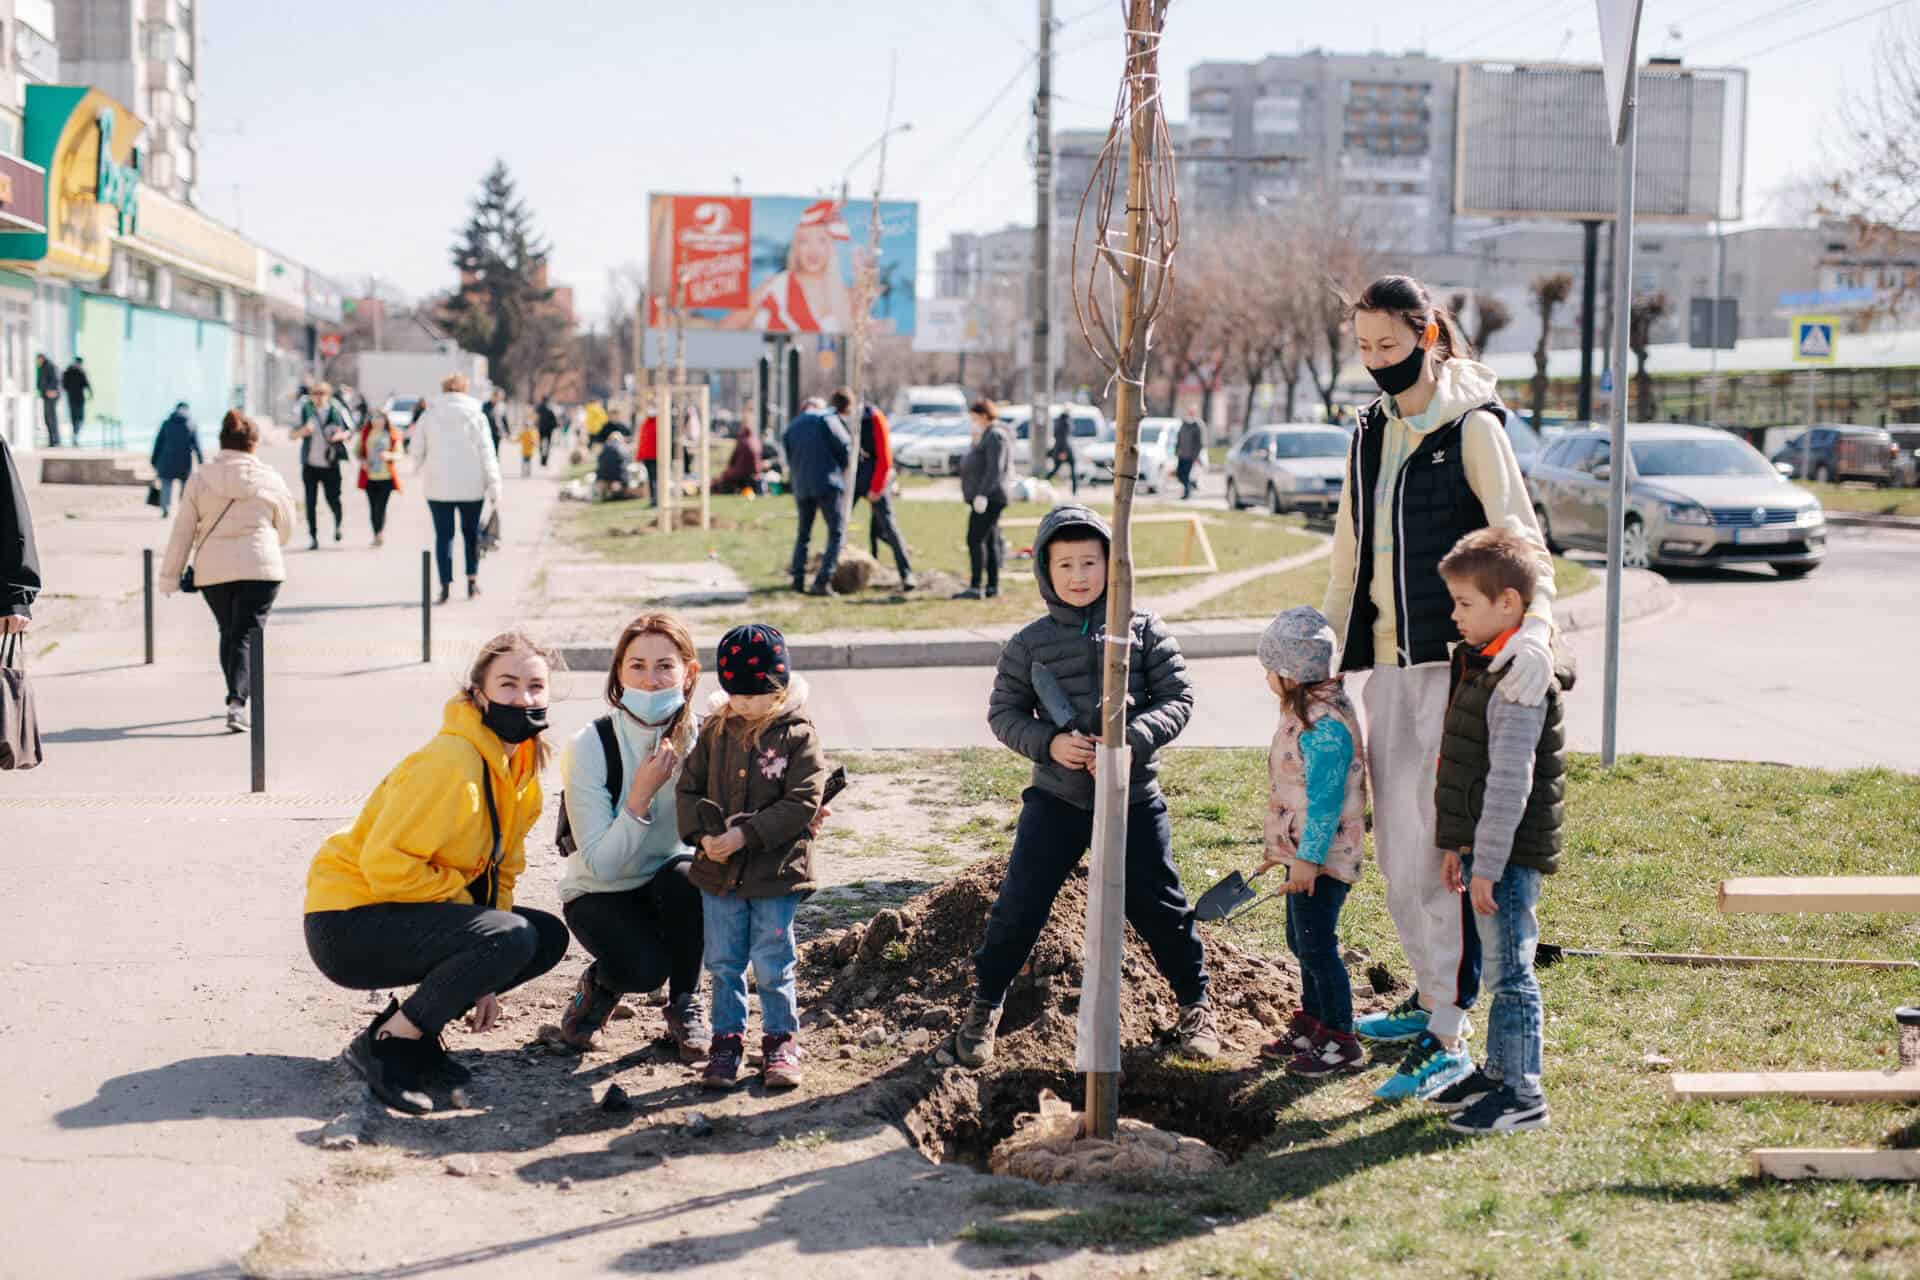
(1530, 654)
(980, 503)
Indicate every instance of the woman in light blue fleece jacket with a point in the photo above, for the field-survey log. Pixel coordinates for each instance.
(624, 891)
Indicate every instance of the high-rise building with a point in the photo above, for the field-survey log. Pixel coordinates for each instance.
(146, 53)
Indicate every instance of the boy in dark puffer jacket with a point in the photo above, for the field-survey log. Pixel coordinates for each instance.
(1046, 705)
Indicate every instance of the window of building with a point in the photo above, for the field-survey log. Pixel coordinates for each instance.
(158, 41)
(144, 281)
(37, 57)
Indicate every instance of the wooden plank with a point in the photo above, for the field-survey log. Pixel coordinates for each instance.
(1854, 1164)
(1823, 1086)
(1783, 895)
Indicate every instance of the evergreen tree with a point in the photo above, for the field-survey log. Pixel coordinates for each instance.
(501, 260)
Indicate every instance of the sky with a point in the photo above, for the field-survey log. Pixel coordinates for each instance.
(353, 136)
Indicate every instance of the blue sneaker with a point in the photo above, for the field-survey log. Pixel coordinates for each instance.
(1428, 1068)
(1402, 1022)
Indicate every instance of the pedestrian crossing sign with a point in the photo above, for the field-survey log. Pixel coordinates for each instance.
(1813, 339)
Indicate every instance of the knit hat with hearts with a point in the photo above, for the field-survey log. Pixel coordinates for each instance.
(753, 659)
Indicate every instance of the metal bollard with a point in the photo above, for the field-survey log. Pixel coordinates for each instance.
(146, 587)
(257, 650)
(1908, 1019)
(426, 606)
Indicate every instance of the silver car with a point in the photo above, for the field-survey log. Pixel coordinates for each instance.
(1296, 467)
(1695, 496)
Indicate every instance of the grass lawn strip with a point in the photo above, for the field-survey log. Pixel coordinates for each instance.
(1865, 500)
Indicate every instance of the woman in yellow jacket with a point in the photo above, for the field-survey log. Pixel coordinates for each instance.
(420, 888)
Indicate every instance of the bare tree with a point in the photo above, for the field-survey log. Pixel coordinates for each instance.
(1190, 334)
(1647, 311)
(1337, 255)
(1549, 293)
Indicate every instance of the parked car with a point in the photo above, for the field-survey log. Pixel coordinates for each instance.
(1826, 452)
(1090, 427)
(401, 410)
(1527, 443)
(1290, 467)
(1906, 466)
(940, 400)
(1159, 439)
(937, 448)
(1696, 496)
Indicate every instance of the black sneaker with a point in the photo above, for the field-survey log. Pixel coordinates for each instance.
(437, 1066)
(1500, 1112)
(971, 593)
(390, 1066)
(1464, 1093)
(973, 1042)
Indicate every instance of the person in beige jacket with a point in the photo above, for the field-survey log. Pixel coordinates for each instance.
(235, 514)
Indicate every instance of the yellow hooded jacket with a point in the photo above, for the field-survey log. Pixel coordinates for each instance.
(424, 835)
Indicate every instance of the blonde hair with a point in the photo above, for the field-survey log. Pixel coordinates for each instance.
(508, 642)
(321, 388)
(454, 382)
(675, 633)
(727, 720)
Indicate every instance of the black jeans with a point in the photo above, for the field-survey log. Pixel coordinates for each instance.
(652, 468)
(546, 446)
(1185, 472)
(50, 408)
(378, 493)
(239, 609)
(882, 527)
(77, 410)
(1050, 840)
(315, 479)
(1064, 457)
(1312, 922)
(443, 514)
(830, 510)
(455, 952)
(983, 543)
(642, 937)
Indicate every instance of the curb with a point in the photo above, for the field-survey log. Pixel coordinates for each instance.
(1861, 520)
(1643, 594)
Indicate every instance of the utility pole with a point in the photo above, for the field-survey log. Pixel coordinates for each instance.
(1040, 370)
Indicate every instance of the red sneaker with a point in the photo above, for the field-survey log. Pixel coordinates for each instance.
(723, 1063)
(1337, 1051)
(1302, 1033)
(782, 1054)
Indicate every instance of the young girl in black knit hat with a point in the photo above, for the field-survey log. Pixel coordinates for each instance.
(749, 796)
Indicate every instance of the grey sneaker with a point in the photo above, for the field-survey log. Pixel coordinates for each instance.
(1198, 1033)
(973, 1042)
(687, 1024)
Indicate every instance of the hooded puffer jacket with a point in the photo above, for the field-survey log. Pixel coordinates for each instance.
(1069, 644)
(241, 545)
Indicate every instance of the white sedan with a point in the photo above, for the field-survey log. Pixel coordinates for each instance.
(1159, 442)
(938, 449)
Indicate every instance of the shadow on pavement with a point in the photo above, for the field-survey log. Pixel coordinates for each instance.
(233, 1086)
(214, 728)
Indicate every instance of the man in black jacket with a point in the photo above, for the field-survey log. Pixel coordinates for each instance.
(19, 561)
(46, 381)
(546, 422)
(78, 389)
(1045, 705)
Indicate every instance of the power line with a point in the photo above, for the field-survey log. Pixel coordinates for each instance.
(1744, 24)
(960, 139)
(1818, 31)
(1106, 6)
(1525, 19)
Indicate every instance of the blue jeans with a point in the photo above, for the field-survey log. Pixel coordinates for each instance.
(1516, 1031)
(1325, 992)
(443, 513)
(830, 510)
(760, 931)
(167, 485)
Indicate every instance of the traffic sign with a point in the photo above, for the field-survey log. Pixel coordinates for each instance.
(1606, 382)
(1814, 339)
(1619, 49)
(329, 345)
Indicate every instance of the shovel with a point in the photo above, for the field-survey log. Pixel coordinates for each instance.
(1231, 899)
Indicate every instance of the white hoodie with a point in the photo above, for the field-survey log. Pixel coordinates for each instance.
(453, 451)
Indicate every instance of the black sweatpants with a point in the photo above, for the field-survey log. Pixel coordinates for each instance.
(239, 609)
(378, 494)
(882, 527)
(639, 938)
(983, 543)
(315, 479)
(1065, 458)
(1050, 840)
(455, 952)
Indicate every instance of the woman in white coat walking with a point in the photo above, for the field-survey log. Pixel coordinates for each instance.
(236, 512)
(453, 452)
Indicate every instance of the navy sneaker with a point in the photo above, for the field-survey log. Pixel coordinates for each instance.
(1500, 1112)
(1462, 1094)
(1428, 1068)
(1402, 1022)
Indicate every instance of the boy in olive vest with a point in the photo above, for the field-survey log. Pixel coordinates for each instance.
(1501, 798)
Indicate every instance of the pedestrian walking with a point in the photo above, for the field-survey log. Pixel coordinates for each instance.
(495, 410)
(461, 471)
(1192, 442)
(1062, 452)
(743, 466)
(1429, 464)
(379, 447)
(624, 889)
(176, 447)
(986, 476)
(19, 558)
(46, 380)
(548, 421)
(78, 390)
(235, 515)
(874, 482)
(420, 889)
(323, 432)
(817, 448)
(529, 440)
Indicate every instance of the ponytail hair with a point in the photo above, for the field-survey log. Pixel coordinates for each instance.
(1407, 298)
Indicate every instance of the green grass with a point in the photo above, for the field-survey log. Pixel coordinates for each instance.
(1628, 1182)
(1307, 584)
(1866, 501)
(754, 536)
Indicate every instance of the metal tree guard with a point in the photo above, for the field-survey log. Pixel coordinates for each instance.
(1133, 280)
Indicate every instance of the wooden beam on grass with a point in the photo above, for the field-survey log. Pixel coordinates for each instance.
(1818, 1086)
(1836, 1164)
(1789, 895)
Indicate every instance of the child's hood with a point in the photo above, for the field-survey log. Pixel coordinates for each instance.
(797, 692)
(1071, 516)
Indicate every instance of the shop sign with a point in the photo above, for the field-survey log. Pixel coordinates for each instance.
(194, 241)
(84, 141)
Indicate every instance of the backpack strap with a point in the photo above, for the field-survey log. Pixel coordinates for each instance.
(611, 746)
(490, 878)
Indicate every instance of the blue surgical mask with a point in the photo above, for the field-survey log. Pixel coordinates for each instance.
(654, 706)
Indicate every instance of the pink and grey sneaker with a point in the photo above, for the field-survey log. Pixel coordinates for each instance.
(1337, 1051)
(723, 1063)
(1302, 1033)
(782, 1055)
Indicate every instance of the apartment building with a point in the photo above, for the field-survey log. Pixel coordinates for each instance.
(146, 54)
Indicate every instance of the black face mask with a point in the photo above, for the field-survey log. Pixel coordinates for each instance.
(514, 725)
(1396, 378)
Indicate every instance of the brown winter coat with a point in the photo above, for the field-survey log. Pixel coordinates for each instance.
(771, 789)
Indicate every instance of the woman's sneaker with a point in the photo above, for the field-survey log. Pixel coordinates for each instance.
(1462, 1094)
(1337, 1051)
(1501, 1112)
(587, 1011)
(1404, 1021)
(437, 1066)
(973, 1042)
(781, 1056)
(1302, 1034)
(1198, 1033)
(723, 1063)
(390, 1066)
(687, 1024)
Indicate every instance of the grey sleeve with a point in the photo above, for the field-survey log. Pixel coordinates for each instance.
(1513, 735)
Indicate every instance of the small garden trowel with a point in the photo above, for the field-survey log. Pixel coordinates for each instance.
(1231, 899)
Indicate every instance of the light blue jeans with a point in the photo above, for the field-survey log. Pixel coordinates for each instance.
(757, 931)
(167, 485)
(1516, 1031)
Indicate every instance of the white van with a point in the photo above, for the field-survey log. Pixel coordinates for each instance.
(941, 401)
(1090, 426)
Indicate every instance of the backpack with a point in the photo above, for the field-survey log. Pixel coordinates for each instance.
(563, 833)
